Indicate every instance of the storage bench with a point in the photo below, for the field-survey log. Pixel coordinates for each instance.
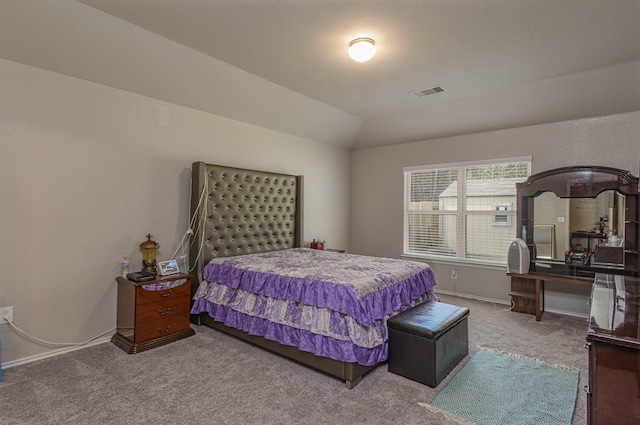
(427, 341)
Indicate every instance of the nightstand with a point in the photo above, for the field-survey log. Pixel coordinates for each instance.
(152, 313)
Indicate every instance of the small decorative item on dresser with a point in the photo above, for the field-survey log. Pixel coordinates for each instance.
(148, 249)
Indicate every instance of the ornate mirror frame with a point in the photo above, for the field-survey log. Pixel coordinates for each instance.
(580, 182)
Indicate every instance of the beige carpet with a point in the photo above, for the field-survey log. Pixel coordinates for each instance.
(211, 378)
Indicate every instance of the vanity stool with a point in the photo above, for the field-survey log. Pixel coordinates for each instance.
(427, 341)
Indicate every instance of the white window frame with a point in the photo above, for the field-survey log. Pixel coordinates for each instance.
(461, 212)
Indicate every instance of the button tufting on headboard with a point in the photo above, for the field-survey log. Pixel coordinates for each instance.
(247, 211)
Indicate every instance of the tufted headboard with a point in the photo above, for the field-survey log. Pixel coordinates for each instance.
(242, 211)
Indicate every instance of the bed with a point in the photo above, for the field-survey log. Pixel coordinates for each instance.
(255, 281)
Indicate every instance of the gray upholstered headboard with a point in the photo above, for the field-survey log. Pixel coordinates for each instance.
(242, 212)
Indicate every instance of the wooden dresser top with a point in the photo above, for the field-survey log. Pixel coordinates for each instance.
(615, 310)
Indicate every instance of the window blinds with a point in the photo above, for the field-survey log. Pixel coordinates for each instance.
(462, 211)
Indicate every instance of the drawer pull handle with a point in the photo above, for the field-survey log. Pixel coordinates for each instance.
(164, 311)
(164, 331)
(165, 293)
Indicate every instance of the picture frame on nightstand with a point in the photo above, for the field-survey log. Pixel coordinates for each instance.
(166, 268)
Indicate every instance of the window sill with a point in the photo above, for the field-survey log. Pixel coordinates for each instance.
(489, 265)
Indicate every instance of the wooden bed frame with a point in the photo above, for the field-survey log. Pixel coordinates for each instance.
(244, 211)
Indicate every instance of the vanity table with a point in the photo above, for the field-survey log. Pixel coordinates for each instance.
(558, 208)
(527, 291)
(613, 341)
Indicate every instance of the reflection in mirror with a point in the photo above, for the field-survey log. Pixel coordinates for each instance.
(579, 230)
(544, 237)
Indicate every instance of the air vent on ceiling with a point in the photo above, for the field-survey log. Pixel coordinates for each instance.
(428, 92)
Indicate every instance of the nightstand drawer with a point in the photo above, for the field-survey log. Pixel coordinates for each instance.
(174, 306)
(158, 328)
(145, 296)
(155, 316)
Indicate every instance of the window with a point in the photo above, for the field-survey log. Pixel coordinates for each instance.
(462, 211)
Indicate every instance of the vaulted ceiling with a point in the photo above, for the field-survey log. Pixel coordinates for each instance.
(283, 64)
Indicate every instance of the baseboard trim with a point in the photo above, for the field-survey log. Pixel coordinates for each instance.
(54, 353)
(102, 340)
(473, 297)
(566, 313)
(492, 300)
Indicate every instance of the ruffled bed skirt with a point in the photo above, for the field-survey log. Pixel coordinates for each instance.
(319, 345)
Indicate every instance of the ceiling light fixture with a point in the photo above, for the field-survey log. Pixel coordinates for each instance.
(362, 49)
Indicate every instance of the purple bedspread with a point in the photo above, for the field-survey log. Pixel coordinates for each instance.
(366, 290)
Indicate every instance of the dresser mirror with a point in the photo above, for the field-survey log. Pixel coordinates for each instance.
(579, 229)
(578, 221)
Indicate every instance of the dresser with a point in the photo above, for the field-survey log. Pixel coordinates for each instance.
(152, 313)
(613, 340)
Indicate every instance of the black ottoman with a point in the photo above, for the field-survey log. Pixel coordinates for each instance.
(427, 341)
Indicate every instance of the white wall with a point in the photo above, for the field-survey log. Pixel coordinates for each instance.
(377, 186)
(86, 171)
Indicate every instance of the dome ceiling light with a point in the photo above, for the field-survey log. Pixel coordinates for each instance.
(362, 49)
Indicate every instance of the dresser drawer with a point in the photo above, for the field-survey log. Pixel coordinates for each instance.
(170, 307)
(158, 328)
(144, 296)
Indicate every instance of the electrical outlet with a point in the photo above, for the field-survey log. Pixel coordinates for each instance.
(6, 313)
(454, 274)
